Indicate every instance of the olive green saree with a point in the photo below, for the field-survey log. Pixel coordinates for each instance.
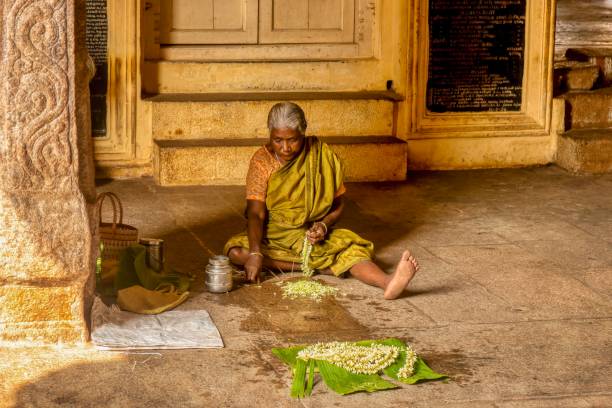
(300, 192)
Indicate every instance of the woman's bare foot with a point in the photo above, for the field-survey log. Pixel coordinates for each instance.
(404, 272)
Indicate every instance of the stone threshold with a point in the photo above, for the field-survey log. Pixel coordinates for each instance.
(600, 92)
(590, 134)
(584, 54)
(335, 140)
(272, 96)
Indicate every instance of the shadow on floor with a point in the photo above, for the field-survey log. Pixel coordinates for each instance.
(169, 379)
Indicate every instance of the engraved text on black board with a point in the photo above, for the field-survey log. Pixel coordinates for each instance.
(476, 53)
(97, 28)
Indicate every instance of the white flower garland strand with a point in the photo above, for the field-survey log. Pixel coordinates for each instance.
(360, 359)
(408, 369)
(306, 250)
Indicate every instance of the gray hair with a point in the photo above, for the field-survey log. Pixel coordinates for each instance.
(287, 115)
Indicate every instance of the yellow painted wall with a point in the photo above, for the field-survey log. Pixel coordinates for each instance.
(397, 53)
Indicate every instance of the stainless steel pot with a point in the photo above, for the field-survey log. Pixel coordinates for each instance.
(219, 274)
(154, 256)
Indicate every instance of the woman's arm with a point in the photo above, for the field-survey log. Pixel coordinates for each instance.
(334, 212)
(256, 215)
(318, 231)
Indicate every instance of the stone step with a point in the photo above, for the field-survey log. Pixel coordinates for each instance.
(575, 77)
(589, 109)
(602, 57)
(255, 76)
(271, 96)
(226, 161)
(586, 151)
(244, 115)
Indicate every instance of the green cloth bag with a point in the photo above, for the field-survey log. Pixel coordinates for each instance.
(162, 290)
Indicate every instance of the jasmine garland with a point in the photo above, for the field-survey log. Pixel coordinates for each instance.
(306, 250)
(360, 359)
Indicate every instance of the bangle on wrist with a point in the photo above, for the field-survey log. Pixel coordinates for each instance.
(256, 253)
(324, 225)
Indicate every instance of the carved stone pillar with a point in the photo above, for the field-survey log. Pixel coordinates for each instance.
(47, 241)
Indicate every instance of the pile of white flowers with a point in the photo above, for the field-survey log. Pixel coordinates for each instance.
(306, 288)
(360, 359)
(309, 289)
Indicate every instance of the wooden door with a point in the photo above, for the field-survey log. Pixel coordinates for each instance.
(208, 22)
(306, 21)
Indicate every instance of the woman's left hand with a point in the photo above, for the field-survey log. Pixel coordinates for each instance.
(316, 233)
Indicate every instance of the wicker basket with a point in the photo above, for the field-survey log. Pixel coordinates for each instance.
(115, 236)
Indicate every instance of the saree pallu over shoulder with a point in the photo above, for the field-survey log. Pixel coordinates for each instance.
(303, 190)
(300, 192)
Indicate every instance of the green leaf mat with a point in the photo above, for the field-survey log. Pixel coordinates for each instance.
(344, 382)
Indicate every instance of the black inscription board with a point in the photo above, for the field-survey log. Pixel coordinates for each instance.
(97, 29)
(476, 53)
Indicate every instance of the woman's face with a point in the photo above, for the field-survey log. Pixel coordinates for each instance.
(286, 143)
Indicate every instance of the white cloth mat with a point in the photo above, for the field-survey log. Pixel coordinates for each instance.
(114, 329)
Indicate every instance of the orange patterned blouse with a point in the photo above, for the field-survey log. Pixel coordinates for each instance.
(262, 165)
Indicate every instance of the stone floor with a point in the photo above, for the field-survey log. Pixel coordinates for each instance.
(513, 301)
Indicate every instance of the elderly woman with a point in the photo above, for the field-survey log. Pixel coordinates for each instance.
(294, 189)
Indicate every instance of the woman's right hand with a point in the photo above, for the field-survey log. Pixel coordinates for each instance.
(316, 233)
(253, 267)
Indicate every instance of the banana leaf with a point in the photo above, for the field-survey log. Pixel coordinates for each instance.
(344, 382)
(311, 370)
(299, 377)
(288, 355)
(421, 372)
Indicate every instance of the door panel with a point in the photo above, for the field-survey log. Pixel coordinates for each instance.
(325, 14)
(290, 15)
(208, 22)
(306, 21)
(228, 14)
(273, 30)
(192, 15)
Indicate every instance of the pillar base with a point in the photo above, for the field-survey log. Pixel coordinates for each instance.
(42, 315)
